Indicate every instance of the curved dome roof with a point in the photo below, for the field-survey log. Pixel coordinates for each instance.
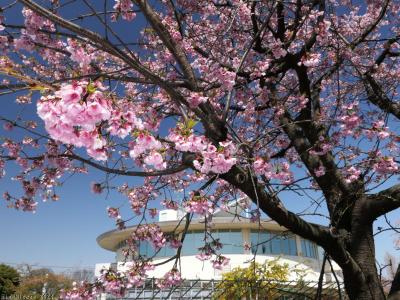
(111, 239)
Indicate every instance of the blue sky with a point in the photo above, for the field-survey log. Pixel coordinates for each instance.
(63, 235)
(58, 234)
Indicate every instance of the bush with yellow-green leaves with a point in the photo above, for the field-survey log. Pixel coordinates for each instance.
(258, 281)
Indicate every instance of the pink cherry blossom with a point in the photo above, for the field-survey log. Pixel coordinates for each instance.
(195, 99)
(66, 108)
(96, 188)
(125, 8)
(217, 160)
(79, 54)
(352, 174)
(143, 143)
(153, 212)
(151, 233)
(171, 278)
(386, 165)
(170, 204)
(219, 262)
(113, 213)
(155, 159)
(8, 126)
(203, 256)
(311, 60)
(320, 171)
(122, 123)
(199, 204)
(175, 243)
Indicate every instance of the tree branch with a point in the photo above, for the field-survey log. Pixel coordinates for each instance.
(106, 46)
(383, 202)
(183, 166)
(372, 26)
(380, 99)
(274, 207)
(167, 39)
(375, 93)
(170, 171)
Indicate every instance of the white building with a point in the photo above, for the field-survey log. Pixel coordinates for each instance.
(267, 241)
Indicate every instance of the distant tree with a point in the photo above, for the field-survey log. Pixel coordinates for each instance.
(9, 280)
(82, 275)
(392, 262)
(41, 282)
(257, 281)
(388, 272)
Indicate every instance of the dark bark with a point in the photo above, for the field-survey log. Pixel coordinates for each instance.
(365, 283)
(383, 202)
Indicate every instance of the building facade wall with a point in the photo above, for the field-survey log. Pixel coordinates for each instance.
(243, 243)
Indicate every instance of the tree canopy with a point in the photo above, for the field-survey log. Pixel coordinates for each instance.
(9, 280)
(39, 283)
(208, 101)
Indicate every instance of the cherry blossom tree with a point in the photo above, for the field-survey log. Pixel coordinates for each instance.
(212, 100)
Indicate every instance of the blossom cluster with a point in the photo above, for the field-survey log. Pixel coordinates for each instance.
(278, 171)
(351, 119)
(113, 213)
(147, 143)
(80, 55)
(170, 279)
(220, 261)
(151, 233)
(137, 272)
(124, 7)
(139, 196)
(352, 174)
(76, 113)
(217, 160)
(71, 116)
(113, 282)
(199, 204)
(189, 142)
(82, 291)
(386, 165)
(31, 34)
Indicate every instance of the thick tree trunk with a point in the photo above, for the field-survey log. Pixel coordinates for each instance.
(363, 283)
(369, 289)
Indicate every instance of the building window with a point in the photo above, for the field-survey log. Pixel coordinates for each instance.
(264, 242)
(231, 240)
(260, 242)
(308, 249)
(192, 242)
(293, 246)
(146, 249)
